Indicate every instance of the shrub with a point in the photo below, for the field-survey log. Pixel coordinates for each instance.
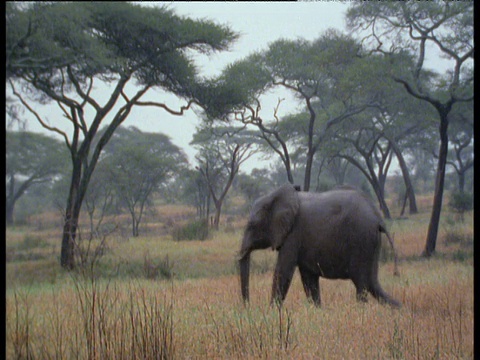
(163, 269)
(194, 230)
(456, 232)
(31, 242)
(461, 202)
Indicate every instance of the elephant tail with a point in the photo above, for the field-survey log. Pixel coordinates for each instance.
(395, 257)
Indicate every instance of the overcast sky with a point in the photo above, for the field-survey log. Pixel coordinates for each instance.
(259, 23)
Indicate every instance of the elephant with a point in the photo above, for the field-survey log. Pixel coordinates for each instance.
(334, 235)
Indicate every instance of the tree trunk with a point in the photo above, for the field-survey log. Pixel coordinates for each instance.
(461, 182)
(378, 185)
(289, 174)
(9, 212)
(67, 256)
(409, 191)
(134, 226)
(10, 200)
(439, 185)
(308, 169)
(381, 199)
(72, 213)
(218, 211)
(311, 148)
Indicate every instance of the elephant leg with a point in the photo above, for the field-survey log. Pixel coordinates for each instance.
(366, 281)
(360, 280)
(286, 263)
(311, 285)
(362, 291)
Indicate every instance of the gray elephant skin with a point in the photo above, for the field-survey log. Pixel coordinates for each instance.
(335, 235)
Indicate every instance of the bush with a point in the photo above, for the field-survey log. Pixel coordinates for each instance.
(456, 233)
(194, 230)
(162, 269)
(461, 201)
(32, 241)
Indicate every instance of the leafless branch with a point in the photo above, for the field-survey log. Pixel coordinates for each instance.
(165, 107)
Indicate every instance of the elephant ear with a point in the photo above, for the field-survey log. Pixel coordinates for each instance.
(284, 210)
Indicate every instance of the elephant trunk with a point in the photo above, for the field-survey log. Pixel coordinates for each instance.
(244, 275)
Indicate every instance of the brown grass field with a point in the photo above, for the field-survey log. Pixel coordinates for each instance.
(154, 298)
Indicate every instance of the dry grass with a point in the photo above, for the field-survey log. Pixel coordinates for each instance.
(199, 315)
(204, 319)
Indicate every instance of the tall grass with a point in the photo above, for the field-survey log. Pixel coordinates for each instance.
(95, 321)
(204, 319)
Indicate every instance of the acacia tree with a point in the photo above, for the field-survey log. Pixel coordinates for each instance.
(411, 27)
(137, 164)
(328, 76)
(62, 52)
(31, 159)
(221, 152)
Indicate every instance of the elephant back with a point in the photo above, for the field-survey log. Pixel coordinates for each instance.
(350, 206)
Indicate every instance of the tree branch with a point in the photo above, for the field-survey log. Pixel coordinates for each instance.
(165, 107)
(37, 116)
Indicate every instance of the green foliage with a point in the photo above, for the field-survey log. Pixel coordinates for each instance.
(193, 230)
(134, 166)
(249, 77)
(101, 38)
(163, 269)
(459, 237)
(256, 184)
(32, 159)
(332, 78)
(461, 201)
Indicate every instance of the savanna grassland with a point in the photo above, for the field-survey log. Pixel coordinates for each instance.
(154, 298)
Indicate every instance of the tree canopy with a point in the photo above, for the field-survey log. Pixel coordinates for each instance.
(221, 152)
(136, 165)
(330, 76)
(31, 158)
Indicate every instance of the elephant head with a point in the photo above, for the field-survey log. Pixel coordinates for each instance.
(271, 219)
